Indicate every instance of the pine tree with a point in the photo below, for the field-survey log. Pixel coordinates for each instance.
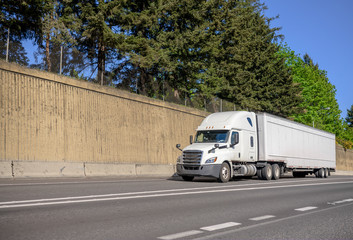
(255, 78)
(22, 18)
(96, 29)
(17, 52)
(349, 118)
(54, 31)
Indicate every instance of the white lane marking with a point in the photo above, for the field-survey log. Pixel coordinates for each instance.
(149, 194)
(262, 218)
(78, 182)
(220, 226)
(129, 193)
(305, 209)
(221, 235)
(342, 201)
(180, 235)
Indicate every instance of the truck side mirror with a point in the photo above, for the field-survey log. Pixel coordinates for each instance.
(191, 139)
(178, 147)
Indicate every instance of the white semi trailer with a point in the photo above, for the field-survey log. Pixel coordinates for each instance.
(240, 143)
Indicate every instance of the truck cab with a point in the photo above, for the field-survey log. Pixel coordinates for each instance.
(225, 142)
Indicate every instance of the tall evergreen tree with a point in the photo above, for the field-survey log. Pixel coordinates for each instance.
(17, 52)
(54, 31)
(22, 18)
(98, 32)
(255, 78)
(349, 118)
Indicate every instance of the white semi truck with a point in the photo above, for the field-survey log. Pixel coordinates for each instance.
(240, 143)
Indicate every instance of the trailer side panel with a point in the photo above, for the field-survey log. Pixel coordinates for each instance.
(298, 145)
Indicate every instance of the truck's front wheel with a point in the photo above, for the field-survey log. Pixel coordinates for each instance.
(224, 173)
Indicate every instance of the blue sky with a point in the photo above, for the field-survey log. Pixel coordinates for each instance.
(324, 30)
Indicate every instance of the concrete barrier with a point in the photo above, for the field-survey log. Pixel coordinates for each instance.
(109, 169)
(342, 173)
(5, 169)
(23, 169)
(47, 169)
(155, 170)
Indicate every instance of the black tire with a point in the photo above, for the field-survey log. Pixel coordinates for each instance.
(266, 172)
(188, 178)
(224, 173)
(276, 172)
(321, 173)
(326, 173)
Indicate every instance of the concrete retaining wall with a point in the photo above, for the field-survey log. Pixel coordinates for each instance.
(46, 117)
(344, 159)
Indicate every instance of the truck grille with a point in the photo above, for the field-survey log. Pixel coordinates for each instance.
(192, 157)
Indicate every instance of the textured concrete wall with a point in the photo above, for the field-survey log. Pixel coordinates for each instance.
(46, 117)
(344, 159)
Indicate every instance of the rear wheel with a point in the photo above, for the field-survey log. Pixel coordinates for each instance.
(321, 173)
(266, 172)
(276, 172)
(326, 173)
(224, 173)
(188, 178)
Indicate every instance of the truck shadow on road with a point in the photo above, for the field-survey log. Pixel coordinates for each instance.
(178, 178)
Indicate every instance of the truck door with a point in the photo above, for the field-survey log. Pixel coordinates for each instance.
(235, 145)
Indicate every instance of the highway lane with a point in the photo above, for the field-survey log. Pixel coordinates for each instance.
(155, 208)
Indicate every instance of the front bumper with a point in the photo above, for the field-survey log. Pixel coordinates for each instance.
(202, 170)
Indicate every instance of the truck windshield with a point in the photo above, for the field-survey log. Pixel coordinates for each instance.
(216, 136)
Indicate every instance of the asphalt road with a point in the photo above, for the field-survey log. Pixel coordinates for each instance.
(167, 209)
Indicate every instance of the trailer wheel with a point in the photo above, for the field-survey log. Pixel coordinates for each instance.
(266, 172)
(321, 173)
(276, 172)
(224, 173)
(188, 178)
(325, 173)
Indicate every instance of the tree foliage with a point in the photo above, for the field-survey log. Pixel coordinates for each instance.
(320, 106)
(206, 49)
(23, 18)
(349, 118)
(17, 53)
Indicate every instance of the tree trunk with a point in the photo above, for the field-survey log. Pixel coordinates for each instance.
(143, 81)
(101, 63)
(47, 51)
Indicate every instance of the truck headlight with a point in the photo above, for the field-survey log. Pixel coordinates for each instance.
(180, 158)
(211, 160)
